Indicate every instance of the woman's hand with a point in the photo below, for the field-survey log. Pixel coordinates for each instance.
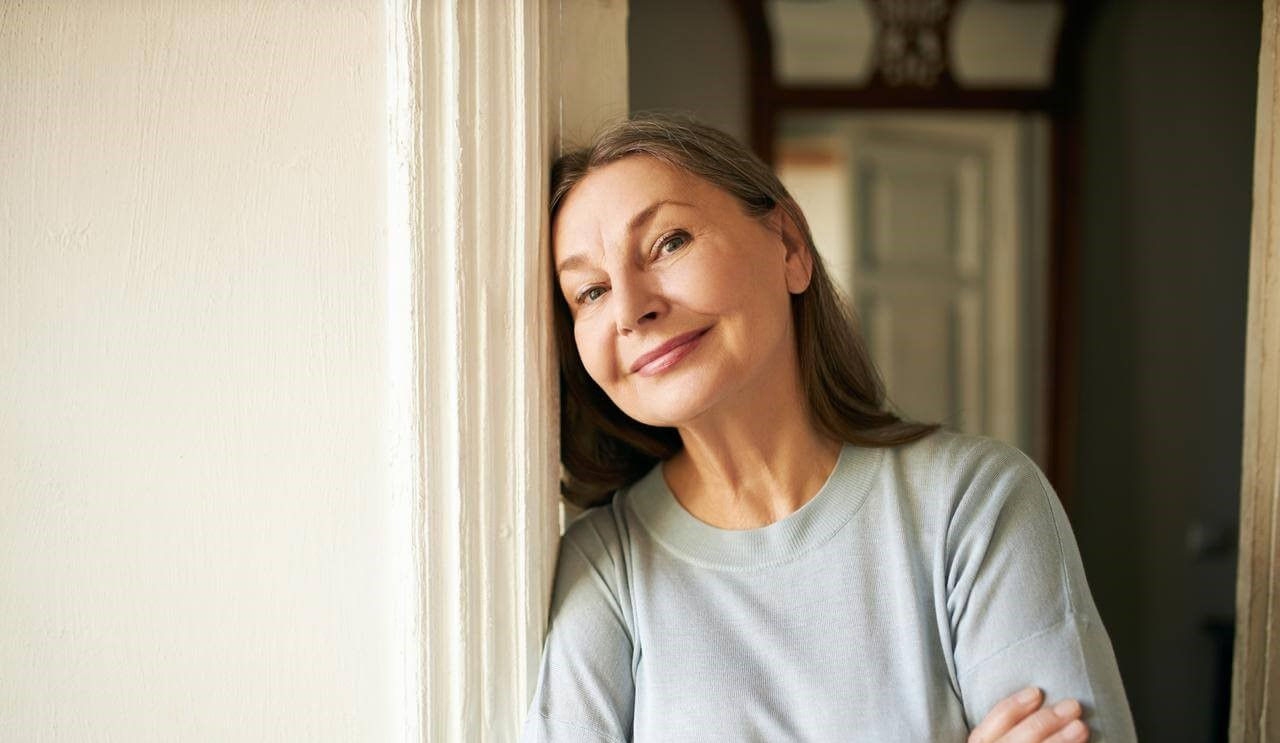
(1019, 719)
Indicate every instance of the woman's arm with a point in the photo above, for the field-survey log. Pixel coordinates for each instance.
(585, 689)
(1020, 609)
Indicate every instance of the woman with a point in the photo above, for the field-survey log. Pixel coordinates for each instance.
(770, 553)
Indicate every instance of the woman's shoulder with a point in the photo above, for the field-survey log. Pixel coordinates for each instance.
(595, 529)
(969, 480)
(610, 524)
(603, 531)
(951, 455)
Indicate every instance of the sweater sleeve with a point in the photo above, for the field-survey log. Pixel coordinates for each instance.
(1020, 609)
(585, 684)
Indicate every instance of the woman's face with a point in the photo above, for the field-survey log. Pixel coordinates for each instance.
(680, 300)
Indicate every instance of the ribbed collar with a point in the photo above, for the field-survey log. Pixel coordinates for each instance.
(813, 524)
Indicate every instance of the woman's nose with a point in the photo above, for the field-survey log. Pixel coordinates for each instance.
(634, 303)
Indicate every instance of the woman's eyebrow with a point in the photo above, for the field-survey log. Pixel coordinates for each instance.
(638, 220)
(644, 215)
(571, 262)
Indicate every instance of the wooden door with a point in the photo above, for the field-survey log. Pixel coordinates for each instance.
(1255, 706)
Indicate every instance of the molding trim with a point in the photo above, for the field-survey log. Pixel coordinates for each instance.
(406, 231)
(475, 116)
(472, 162)
(1255, 708)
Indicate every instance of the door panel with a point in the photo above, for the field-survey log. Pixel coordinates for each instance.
(927, 221)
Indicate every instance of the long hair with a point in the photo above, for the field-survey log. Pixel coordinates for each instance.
(602, 448)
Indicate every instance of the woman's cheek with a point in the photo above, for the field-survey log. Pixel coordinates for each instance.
(591, 350)
(710, 282)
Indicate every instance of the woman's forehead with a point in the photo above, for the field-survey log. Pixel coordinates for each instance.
(608, 201)
(630, 180)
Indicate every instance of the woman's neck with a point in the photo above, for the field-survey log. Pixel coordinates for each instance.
(753, 468)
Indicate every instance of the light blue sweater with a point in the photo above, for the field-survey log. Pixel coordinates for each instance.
(920, 586)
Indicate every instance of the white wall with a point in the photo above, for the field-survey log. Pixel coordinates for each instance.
(199, 539)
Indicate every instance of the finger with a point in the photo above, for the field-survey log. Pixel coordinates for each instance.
(1073, 732)
(1007, 713)
(1039, 726)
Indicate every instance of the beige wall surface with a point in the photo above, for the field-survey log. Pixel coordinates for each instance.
(198, 539)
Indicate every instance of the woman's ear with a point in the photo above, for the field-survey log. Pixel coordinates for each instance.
(799, 260)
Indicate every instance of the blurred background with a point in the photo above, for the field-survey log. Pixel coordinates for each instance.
(1041, 212)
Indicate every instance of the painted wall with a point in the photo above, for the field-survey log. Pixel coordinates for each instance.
(690, 57)
(197, 533)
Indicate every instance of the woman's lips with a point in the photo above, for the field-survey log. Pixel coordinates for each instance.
(668, 354)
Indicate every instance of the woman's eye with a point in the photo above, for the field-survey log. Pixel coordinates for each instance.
(672, 243)
(590, 294)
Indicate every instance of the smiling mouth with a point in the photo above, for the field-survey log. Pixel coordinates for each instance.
(668, 354)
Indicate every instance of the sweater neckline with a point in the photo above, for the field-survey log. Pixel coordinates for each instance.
(811, 525)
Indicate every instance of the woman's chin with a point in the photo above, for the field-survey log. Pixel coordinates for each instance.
(679, 397)
(673, 410)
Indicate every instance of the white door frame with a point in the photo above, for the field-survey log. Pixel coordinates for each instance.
(476, 115)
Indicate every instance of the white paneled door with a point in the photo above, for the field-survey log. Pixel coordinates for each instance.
(934, 226)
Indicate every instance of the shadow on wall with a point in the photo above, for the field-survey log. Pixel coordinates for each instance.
(1170, 92)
